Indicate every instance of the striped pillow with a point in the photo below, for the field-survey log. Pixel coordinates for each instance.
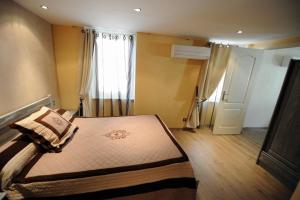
(14, 156)
(47, 128)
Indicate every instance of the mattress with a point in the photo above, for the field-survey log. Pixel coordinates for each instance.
(134, 157)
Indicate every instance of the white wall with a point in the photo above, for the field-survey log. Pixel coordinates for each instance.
(268, 82)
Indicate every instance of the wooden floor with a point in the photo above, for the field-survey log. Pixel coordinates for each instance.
(257, 135)
(226, 169)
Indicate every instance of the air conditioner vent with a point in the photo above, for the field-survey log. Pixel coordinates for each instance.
(190, 52)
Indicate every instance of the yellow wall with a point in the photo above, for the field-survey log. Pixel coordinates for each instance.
(164, 85)
(277, 44)
(67, 46)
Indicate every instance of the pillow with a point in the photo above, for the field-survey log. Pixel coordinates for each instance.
(47, 128)
(14, 156)
(68, 115)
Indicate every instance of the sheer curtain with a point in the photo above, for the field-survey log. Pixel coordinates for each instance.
(112, 88)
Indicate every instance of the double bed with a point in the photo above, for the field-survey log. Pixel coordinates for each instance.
(133, 157)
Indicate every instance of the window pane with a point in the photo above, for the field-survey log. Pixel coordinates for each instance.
(112, 74)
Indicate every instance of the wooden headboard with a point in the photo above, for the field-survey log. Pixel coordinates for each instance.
(5, 120)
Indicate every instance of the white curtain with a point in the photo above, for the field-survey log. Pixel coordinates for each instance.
(112, 88)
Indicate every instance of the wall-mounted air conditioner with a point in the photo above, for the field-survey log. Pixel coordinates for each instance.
(190, 52)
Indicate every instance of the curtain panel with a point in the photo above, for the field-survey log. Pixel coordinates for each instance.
(216, 67)
(209, 77)
(112, 87)
(88, 62)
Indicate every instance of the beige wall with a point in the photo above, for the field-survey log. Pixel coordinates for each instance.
(67, 45)
(27, 66)
(164, 85)
(277, 44)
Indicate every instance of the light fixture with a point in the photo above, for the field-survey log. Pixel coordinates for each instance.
(239, 32)
(44, 7)
(137, 10)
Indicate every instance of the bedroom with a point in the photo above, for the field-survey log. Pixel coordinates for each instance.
(44, 51)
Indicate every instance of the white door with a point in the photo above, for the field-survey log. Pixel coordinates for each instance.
(236, 90)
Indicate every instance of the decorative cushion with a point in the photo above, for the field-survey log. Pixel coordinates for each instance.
(68, 115)
(46, 128)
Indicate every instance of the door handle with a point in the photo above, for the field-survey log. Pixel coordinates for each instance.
(223, 96)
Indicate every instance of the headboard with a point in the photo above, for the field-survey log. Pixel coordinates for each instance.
(5, 120)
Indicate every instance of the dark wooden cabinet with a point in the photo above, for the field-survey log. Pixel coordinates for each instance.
(280, 154)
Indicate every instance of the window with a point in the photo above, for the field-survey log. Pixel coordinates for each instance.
(216, 95)
(114, 73)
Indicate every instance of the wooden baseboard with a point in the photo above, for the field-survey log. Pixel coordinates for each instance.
(278, 169)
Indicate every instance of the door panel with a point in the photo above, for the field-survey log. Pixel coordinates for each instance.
(240, 79)
(230, 117)
(236, 90)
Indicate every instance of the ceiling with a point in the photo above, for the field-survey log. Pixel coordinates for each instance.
(209, 19)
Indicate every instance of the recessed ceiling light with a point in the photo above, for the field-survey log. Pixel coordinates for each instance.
(240, 32)
(44, 7)
(137, 10)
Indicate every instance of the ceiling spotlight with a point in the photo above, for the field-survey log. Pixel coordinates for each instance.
(44, 7)
(240, 32)
(137, 10)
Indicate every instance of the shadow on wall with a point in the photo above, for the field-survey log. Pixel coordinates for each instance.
(193, 66)
(277, 60)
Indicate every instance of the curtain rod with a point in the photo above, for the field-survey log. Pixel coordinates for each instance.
(223, 44)
(107, 30)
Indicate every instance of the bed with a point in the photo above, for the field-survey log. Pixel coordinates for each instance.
(133, 157)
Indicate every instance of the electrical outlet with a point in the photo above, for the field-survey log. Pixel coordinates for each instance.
(184, 119)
